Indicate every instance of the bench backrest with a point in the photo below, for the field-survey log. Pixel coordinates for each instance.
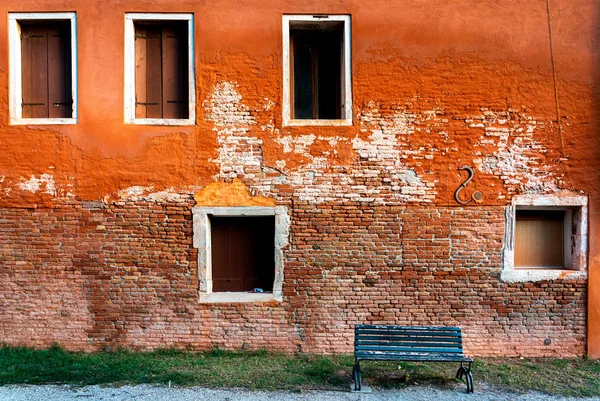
(415, 340)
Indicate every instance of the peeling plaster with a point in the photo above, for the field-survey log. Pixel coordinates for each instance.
(519, 160)
(137, 193)
(239, 153)
(34, 184)
(298, 144)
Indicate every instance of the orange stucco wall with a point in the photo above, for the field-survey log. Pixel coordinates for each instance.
(443, 67)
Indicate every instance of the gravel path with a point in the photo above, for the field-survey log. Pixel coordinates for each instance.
(160, 393)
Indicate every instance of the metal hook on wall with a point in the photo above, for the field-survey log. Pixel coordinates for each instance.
(463, 185)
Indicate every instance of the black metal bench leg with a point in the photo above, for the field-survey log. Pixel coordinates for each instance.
(461, 372)
(469, 379)
(356, 376)
(467, 374)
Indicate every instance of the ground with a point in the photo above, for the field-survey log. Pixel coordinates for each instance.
(150, 392)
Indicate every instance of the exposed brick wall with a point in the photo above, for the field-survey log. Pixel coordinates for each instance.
(126, 275)
(376, 234)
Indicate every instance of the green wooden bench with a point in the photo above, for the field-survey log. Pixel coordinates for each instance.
(410, 344)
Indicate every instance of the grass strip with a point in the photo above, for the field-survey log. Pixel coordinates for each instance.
(270, 371)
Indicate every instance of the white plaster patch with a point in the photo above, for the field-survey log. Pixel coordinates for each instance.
(268, 104)
(239, 153)
(139, 193)
(225, 107)
(133, 192)
(519, 159)
(387, 148)
(34, 184)
(299, 144)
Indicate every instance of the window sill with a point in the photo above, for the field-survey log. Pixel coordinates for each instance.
(161, 121)
(238, 297)
(43, 121)
(520, 274)
(330, 123)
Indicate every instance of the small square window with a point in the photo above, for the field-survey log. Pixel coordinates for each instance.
(159, 78)
(317, 84)
(240, 248)
(43, 68)
(545, 238)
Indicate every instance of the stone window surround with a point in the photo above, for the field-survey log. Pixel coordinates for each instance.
(578, 268)
(346, 119)
(15, 84)
(202, 241)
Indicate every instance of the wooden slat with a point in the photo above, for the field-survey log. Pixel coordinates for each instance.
(413, 358)
(410, 328)
(406, 349)
(416, 334)
(408, 344)
(140, 71)
(400, 338)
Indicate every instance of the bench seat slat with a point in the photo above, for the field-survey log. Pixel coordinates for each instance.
(407, 340)
(412, 328)
(449, 334)
(412, 358)
(409, 349)
(407, 344)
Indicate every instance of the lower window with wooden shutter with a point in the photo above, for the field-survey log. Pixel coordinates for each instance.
(46, 76)
(243, 253)
(161, 70)
(542, 238)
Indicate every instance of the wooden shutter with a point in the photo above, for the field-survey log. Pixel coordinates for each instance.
(227, 257)
(161, 77)
(242, 253)
(148, 77)
(60, 102)
(46, 70)
(539, 238)
(175, 71)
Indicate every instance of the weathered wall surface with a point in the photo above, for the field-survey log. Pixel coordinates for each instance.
(376, 233)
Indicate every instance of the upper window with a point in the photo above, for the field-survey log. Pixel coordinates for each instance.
(159, 76)
(316, 66)
(43, 65)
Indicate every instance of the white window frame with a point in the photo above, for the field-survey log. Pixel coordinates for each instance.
(15, 60)
(347, 70)
(575, 263)
(203, 242)
(129, 77)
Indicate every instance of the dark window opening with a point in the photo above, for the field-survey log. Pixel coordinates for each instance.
(161, 70)
(243, 253)
(540, 238)
(316, 54)
(46, 69)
